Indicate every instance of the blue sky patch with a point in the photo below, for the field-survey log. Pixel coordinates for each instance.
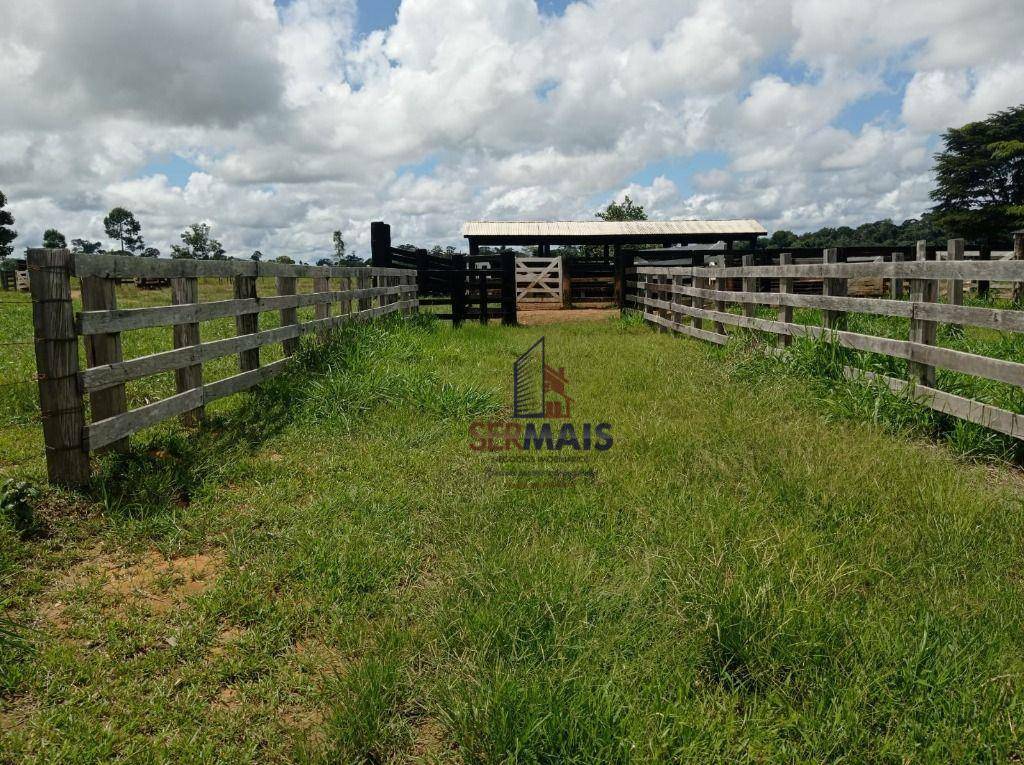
(175, 167)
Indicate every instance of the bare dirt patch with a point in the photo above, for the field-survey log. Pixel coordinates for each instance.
(539, 317)
(155, 582)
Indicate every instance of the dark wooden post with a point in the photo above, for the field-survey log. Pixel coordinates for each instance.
(422, 275)
(286, 286)
(619, 290)
(922, 331)
(60, 399)
(985, 253)
(380, 244)
(1018, 254)
(185, 291)
(508, 289)
(785, 288)
(458, 288)
(484, 298)
(566, 281)
(99, 294)
(247, 323)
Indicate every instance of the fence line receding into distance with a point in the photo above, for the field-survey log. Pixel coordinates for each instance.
(695, 301)
(360, 293)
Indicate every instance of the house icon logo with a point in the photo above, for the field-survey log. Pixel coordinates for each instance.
(539, 391)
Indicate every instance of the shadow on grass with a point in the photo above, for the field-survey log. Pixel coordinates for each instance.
(335, 380)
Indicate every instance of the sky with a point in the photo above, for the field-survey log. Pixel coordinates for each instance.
(279, 122)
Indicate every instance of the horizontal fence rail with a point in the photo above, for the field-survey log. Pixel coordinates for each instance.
(364, 293)
(694, 301)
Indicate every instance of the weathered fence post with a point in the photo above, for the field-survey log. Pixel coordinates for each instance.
(1018, 254)
(785, 288)
(458, 289)
(185, 291)
(896, 283)
(322, 310)
(100, 294)
(286, 285)
(749, 285)
(921, 330)
(955, 287)
(380, 244)
(364, 282)
(56, 345)
(247, 323)
(832, 287)
(508, 289)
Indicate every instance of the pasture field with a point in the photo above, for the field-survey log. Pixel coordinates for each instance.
(328, 573)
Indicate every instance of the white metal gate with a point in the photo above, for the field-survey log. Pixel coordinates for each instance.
(539, 280)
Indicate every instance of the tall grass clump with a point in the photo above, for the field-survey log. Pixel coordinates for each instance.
(823, 365)
(334, 380)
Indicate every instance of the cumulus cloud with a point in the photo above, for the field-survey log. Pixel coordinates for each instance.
(297, 124)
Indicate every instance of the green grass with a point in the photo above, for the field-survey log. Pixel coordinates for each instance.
(744, 579)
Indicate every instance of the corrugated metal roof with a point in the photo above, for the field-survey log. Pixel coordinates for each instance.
(541, 229)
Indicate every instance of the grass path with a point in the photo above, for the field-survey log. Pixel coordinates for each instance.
(740, 582)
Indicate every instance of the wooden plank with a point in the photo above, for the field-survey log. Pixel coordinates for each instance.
(924, 354)
(1004, 320)
(995, 270)
(986, 415)
(104, 432)
(186, 292)
(690, 331)
(286, 285)
(56, 348)
(241, 382)
(247, 323)
(922, 331)
(785, 288)
(100, 294)
(92, 322)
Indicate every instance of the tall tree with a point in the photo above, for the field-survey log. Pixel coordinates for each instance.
(85, 246)
(199, 245)
(150, 252)
(979, 191)
(624, 210)
(7, 234)
(339, 247)
(120, 224)
(256, 255)
(54, 240)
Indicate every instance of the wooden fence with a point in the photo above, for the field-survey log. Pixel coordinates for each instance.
(695, 301)
(471, 288)
(364, 293)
